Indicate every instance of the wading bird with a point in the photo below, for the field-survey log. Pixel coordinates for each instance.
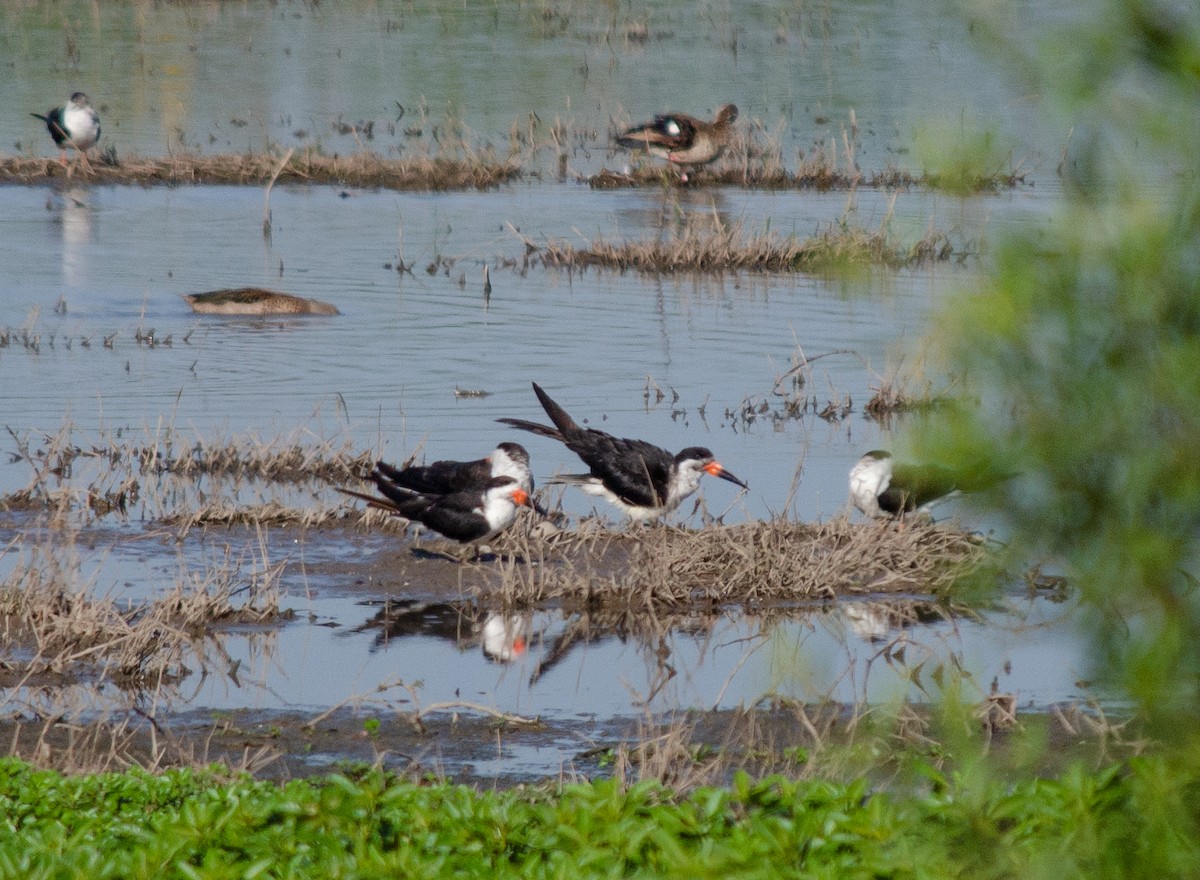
(683, 140)
(75, 124)
(643, 480)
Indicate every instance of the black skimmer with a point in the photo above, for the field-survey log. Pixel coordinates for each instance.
(445, 477)
(881, 488)
(75, 124)
(643, 480)
(683, 140)
(472, 515)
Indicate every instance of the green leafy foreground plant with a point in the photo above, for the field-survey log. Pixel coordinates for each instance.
(1084, 346)
(1113, 823)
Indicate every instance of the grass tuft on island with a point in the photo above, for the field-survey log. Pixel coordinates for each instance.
(733, 248)
(474, 169)
(778, 560)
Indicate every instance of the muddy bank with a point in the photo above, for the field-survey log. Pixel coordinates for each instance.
(463, 743)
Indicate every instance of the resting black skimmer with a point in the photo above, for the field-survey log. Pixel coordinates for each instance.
(446, 477)
(880, 488)
(683, 140)
(470, 515)
(643, 480)
(75, 124)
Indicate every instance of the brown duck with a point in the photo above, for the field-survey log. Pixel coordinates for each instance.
(255, 301)
(681, 139)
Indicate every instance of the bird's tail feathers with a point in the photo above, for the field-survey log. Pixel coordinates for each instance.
(570, 480)
(372, 501)
(565, 424)
(534, 428)
(397, 494)
(390, 471)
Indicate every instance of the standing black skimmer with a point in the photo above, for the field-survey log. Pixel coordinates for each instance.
(643, 480)
(75, 124)
(470, 515)
(683, 140)
(881, 488)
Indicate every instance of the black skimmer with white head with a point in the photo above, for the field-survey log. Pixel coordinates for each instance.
(643, 480)
(75, 124)
(446, 477)
(681, 139)
(470, 515)
(881, 488)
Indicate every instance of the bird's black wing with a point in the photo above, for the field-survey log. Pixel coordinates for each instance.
(53, 120)
(459, 515)
(668, 132)
(635, 471)
(914, 485)
(439, 478)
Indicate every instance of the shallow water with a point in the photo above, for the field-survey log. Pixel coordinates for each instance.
(81, 263)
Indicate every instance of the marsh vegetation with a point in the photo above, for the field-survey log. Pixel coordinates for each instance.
(800, 691)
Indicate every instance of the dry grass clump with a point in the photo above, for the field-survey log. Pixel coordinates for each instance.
(56, 625)
(480, 169)
(906, 390)
(162, 470)
(761, 562)
(223, 512)
(889, 400)
(279, 460)
(732, 248)
(128, 739)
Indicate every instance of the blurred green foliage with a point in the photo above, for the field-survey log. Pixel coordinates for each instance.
(1084, 347)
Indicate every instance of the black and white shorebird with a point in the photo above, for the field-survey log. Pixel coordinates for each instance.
(643, 480)
(75, 124)
(446, 477)
(683, 140)
(471, 515)
(881, 488)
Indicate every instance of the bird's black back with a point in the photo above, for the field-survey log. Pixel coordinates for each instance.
(439, 478)
(914, 485)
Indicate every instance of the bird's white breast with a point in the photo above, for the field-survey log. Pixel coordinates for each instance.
(870, 478)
